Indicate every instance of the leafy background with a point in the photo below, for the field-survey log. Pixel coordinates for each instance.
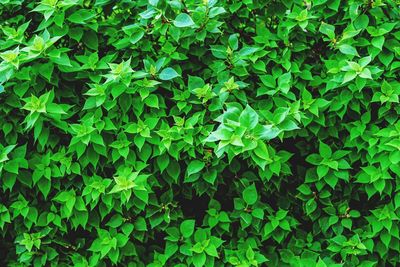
(199, 133)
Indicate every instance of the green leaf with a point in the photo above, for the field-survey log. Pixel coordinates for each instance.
(321, 263)
(328, 30)
(195, 166)
(81, 16)
(211, 250)
(248, 118)
(168, 74)
(348, 50)
(250, 195)
(152, 101)
(46, 70)
(349, 76)
(378, 42)
(187, 228)
(324, 150)
(199, 260)
(267, 132)
(183, 20)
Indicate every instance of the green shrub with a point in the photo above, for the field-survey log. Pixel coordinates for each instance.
(200, 133)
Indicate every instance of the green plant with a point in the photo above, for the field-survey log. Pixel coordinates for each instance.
(199, 133)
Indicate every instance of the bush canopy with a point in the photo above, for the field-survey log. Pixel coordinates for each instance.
(200, 133)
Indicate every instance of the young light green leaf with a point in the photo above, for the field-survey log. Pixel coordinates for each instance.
(248, 118)
(183, 20)
(168, 74)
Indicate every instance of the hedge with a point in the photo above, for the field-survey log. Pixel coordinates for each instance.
(200, 133)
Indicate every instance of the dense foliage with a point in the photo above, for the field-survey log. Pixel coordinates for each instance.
(200, 133)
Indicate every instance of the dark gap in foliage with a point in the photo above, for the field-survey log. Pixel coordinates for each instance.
(79, 234)
(157, 241)
(167, 98)
(194, 207)
(222, 193)
(374, 108)
(363, 203)
(6, 243)
(299, 165)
